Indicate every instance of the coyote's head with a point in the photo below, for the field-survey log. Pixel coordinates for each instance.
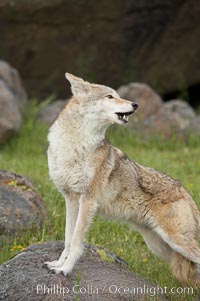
(100, 103)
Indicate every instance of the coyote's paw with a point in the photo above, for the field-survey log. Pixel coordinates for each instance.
(66, 268)
(54, 264)
(58, 263)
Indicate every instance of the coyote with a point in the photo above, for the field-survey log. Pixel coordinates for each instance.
(95, 177)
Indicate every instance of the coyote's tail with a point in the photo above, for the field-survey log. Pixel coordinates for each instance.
(198, 225)
(185, 271)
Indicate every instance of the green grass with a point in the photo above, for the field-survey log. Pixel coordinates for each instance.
(26, 155)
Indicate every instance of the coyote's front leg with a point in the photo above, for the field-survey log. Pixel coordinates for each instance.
(72, 205)
(87, 209)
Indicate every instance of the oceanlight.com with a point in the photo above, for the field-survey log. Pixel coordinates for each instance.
(56, 289)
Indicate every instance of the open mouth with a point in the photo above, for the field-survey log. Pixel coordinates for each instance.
(124, 116)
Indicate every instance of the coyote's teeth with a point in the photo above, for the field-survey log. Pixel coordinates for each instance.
(123, 116)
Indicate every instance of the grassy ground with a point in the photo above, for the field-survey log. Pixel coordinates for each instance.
(26, 155)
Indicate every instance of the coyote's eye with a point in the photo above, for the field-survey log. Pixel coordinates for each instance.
(109, 96)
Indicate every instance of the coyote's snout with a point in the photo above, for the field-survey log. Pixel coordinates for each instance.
(94, 176)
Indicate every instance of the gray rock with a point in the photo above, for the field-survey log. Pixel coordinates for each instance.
(164, 123)
(13, 101)
(10, 116)
(194, 126)
(21, 207)
(26, 278)
(148, 100)
(169, 119)
(182, 108)
(11, 79)
(49, 113)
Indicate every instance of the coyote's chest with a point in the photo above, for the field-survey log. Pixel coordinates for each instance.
(70, 169)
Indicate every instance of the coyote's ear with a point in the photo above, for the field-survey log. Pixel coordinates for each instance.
(80, 88)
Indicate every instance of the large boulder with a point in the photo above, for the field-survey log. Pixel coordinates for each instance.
(98, 275)
(182, 108)
(164, 123)
(148, 100)
(155, 117)
(171, 120)
(111, 42)
(21, 207)
(10, 117)
(194, 126)
(13, 102)
(12, 80)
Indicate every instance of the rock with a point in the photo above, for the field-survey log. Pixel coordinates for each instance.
(49, 114)
(10, 116)
(182, 108)
(11, 79)
(148, 100)
(25, 277)
(124, 41)
(21, 207)
(194, 126)
(13, 101)
(164, 123)
(169, 119)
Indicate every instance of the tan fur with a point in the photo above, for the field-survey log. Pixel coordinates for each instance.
(95, 177)
(182, 269)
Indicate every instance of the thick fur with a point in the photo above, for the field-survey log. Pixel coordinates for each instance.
(95, 177)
